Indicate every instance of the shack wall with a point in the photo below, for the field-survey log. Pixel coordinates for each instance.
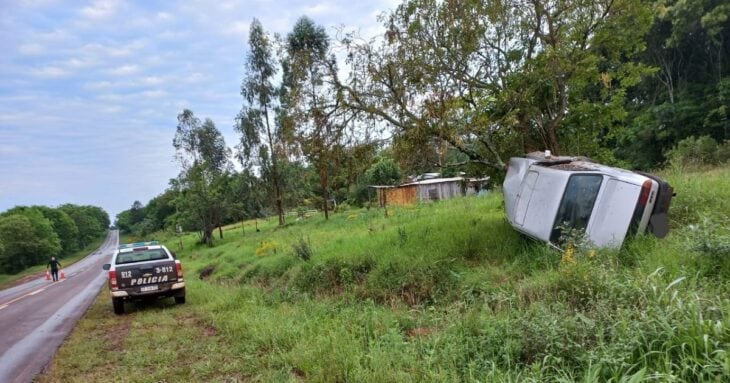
(402, 195)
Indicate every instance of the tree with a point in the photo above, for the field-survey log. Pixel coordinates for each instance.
(28, 239)
(64, 226)
(91, 221)
(689, 45)
(254, 120)
(496, 78)
(203, 156)
(316, 105)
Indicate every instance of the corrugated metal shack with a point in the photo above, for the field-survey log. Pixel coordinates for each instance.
(428, 190)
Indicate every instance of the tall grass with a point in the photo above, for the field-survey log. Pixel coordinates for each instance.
(432, 293)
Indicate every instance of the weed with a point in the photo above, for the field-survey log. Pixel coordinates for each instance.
(302, 249)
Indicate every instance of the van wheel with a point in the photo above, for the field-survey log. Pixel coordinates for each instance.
(180, 300)
(118, 306)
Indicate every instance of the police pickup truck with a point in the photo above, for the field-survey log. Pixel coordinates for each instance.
(144, 270)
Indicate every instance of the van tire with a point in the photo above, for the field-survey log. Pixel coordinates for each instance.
(180, 300)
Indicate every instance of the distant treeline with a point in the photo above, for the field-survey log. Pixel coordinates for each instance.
(31, 235)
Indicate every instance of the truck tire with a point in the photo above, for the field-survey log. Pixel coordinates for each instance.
(180, 300)
(118, 306)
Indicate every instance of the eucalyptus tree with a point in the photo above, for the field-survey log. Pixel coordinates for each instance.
(255, 118)
(316, 107)
(491, 78)
(203, 156)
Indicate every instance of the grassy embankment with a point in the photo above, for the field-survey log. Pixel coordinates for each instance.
(9, 280)
(433, 293)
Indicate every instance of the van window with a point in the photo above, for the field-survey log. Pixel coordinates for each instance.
(577, 203)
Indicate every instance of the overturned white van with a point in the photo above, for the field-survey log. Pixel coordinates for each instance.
(544, 194)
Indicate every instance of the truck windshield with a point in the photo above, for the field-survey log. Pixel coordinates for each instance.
(141, 256)
(577, 204)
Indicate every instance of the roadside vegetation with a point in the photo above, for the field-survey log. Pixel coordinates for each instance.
(437, 292)
(9, 280)
(31, 235)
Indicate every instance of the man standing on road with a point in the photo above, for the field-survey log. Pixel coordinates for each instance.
(54, 265)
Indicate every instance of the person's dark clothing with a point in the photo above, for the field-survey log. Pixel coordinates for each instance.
(54, 264)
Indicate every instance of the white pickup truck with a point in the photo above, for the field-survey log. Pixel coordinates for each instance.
(544, 194)
(144, 270)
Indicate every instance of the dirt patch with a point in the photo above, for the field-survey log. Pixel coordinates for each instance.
(419, 332)
(114, 337)
(298, 374)
(210, 331)
(206, 272)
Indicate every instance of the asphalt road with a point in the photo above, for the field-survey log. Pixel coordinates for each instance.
(37, 316)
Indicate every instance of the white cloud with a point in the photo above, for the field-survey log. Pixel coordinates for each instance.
(100, 9)
(238, 28)
(49, 72)
(31, 49)
(164, 16)
(152, 80)
(322, 10)
(124, 70)
(155, 93)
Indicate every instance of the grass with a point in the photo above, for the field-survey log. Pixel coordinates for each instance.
(432, 293)
(9, 280)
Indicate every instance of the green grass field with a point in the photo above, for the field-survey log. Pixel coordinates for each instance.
(438, 292)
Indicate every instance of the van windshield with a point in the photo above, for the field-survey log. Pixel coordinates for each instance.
(141, 256)
(577, 204)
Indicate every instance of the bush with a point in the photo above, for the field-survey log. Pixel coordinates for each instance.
(697, 151)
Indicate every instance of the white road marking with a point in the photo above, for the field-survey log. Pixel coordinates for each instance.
(6, 304)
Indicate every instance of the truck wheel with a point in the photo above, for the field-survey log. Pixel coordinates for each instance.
(118, 306)
(180, 300)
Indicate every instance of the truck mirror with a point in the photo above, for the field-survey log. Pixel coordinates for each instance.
(106, 266)
(174, 256)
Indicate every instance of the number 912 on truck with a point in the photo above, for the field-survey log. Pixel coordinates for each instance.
(144, 271)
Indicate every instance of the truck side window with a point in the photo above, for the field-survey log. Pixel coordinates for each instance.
(577, 203)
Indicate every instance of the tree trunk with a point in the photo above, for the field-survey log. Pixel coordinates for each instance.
(220, 231)
(323, 181)
(274, 169)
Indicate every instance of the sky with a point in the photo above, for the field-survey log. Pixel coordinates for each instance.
(90, 90)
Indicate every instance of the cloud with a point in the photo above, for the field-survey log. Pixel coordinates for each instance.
(49, 72)
(100, 9)
(124, 70)
(31, 49)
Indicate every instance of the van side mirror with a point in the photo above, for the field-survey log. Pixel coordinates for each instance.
(106, 266)
(174, 256)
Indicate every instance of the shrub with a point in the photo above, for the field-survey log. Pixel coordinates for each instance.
(302, 249)
(696, 151)
(266, 248)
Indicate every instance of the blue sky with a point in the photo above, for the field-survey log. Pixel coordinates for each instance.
(90, 91)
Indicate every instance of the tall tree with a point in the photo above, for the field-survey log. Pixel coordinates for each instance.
(316, 105)
(203, 156)
(255, 118)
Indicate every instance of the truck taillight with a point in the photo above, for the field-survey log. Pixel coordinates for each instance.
(178, 265)
(113, 279)
(645, 192)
